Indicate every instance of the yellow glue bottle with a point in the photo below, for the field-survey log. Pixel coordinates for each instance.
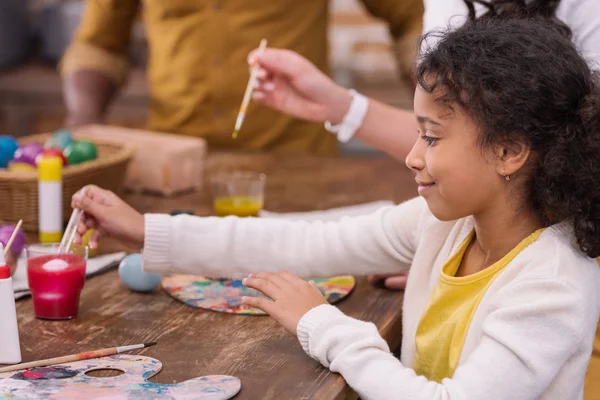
(50, 199)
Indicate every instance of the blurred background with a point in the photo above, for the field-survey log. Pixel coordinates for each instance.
(35, 33)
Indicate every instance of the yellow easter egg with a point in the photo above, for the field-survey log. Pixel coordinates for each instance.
(85, 240)
(21, 167)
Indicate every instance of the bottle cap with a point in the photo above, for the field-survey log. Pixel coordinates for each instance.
(50, 168)
(4, 269)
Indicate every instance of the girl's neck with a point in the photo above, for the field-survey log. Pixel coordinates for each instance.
(497, 233)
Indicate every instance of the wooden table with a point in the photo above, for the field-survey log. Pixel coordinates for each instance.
(194, 342)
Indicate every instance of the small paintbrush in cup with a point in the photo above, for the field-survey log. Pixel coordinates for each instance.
(248, 94)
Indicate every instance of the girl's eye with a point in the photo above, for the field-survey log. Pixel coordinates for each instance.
(430, 140)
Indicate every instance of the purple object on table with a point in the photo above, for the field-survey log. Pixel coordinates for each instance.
(19, 242)
(27, 153)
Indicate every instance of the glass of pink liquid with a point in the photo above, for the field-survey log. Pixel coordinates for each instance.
(55, 280)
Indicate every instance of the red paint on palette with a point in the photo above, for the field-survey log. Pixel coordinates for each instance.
(30, 374)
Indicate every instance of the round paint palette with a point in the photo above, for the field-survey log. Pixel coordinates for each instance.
(224, 295)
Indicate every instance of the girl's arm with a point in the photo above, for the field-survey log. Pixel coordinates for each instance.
(535, 328)
(383, 242)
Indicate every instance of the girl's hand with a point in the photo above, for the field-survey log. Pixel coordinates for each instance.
(109, 216)
(289, 83)
(291, 296)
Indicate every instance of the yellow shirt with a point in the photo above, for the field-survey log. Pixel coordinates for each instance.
(197, 67)
(444, 325)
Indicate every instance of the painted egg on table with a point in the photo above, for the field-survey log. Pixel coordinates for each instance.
(180, 212)
(8, 147)
(17, 246)
(27, 153)
(134, 277)
(80, 152)
(60, 139)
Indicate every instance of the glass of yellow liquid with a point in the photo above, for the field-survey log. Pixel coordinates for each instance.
(238, 193)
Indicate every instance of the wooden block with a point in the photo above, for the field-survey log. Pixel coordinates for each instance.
(163, 163)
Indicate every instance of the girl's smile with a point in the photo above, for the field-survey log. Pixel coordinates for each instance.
(424, 187)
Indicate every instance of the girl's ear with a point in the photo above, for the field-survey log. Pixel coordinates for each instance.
(512, 157)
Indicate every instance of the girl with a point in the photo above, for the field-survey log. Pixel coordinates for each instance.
(502, 297)
(292, 85)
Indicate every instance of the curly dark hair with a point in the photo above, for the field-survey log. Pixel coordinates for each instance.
(521, 79)
(520, 9)
(502, 8)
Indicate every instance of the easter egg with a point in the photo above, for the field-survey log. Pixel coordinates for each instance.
(133, 275)
(17, 246)
(52, 152)
(60, 139)
(27, 153)
(8, 146)
(88, 148)
(5, 158)
(21, 167)
(85, 241)
(9, 143)
(81, 151)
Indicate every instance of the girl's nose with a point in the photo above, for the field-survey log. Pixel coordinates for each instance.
(415, 160)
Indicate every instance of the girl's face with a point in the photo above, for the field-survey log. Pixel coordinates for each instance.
(456, 176)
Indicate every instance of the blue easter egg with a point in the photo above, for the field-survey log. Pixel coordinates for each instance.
(134, 277)
(60, 139)
(4, 158)
(8, 146)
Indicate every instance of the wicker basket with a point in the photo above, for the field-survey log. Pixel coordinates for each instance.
(19, 190)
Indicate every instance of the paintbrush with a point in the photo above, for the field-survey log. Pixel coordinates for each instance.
(12, 237)
(69, 235)
(247, 95)
(76, 357)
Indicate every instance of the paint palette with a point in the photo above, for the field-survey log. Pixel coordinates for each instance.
(225, 295)
(69, 381)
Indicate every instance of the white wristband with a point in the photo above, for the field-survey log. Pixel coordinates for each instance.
(353, 118)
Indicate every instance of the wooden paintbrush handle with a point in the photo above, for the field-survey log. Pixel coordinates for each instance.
(61, 360)
(76, 357)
